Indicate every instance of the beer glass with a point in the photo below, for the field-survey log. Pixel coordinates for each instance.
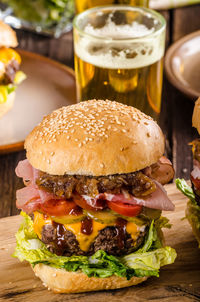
(119, 56)
(82, 5)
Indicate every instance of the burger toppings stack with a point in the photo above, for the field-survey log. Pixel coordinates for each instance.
(93, 197)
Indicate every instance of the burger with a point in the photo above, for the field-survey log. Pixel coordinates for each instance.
(93, 198)
(10, 75)
(193, 205)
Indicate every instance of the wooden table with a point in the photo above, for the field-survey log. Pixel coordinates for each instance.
(176, 108)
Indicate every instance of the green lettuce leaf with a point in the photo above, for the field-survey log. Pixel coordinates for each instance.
(193, 214)
(5, 90)
(19, 77)
(150, 261)
(3, 94)
(185, 189)
(144, 262)
(45, 12)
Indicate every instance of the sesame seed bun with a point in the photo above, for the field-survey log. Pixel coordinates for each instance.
(61, 281)
(5, 107)
(196, 115)
(95, 138)
(7, 36)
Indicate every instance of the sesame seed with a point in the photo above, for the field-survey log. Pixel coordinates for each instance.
(96, 117)
(80, 145)
(52, 153)
(101, 165)
(76, 139)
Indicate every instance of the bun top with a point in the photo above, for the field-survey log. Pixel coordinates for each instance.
(8, 36)
(196, 115)
(95, 138)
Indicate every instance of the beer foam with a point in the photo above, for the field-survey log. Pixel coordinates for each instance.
(115, 54)
(123, 31)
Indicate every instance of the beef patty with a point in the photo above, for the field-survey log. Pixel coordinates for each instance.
(113, 239)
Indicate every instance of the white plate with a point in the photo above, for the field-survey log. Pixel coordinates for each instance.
(49, 85)
(182, 64)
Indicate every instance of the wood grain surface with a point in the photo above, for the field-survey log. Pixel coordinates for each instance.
(179, 282)
(176, 112)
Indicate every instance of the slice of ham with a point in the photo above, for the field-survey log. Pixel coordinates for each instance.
(196, 171)
(45, 196)
(26, 194)
(157, 200)
(24, 170)
(32, 205)
(162, 171)
(195, 175)
(30, 195)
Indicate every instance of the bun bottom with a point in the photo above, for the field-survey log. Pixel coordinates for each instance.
(5, 107)
(193, 220)
(61, 281)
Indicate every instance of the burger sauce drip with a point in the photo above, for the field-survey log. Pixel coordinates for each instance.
(76, 211)
(121, 232)
(86, 226)
(60, 242)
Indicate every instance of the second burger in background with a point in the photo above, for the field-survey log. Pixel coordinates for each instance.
(193, 206)
(93, 198)
(10, 75)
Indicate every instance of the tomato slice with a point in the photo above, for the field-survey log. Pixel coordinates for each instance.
(196, 182)
(58, 207)
(124, 209)
(95, 204)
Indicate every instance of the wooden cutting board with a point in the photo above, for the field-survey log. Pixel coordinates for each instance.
(178, 282)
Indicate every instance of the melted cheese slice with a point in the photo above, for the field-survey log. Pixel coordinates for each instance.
(84, 240)
(7, 54)
(39, 221)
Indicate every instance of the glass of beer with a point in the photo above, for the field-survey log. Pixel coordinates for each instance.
(119, 56)
(82, 5)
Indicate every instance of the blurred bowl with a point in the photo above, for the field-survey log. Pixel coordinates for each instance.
(182, 65)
